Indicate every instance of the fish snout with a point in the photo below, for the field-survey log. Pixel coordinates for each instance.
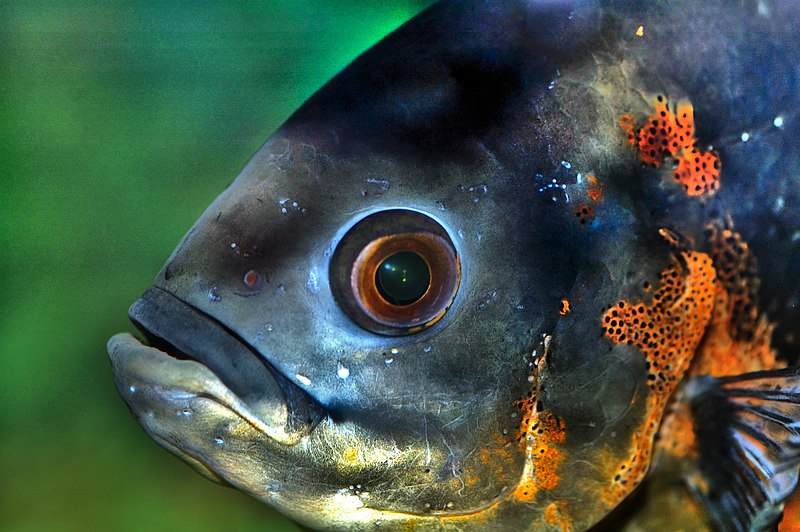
(191, 359)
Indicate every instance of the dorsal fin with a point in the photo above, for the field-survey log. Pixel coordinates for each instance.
(748, 438)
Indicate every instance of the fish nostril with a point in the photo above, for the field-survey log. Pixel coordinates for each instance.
(251, 278)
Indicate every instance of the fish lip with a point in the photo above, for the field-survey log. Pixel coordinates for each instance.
(192, 353)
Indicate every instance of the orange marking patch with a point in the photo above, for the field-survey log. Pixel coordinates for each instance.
(791, 514)
(566, 308)
(667, 332)
(739, 336)
(542, 435)
(676, 436)
(584, 213)
(698, 172)
(668, 134)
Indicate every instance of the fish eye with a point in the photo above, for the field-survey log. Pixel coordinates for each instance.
(395, 272)
(403, 278)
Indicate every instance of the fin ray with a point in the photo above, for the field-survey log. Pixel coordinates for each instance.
(748, 436)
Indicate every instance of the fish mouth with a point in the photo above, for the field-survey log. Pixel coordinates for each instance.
(190, 355)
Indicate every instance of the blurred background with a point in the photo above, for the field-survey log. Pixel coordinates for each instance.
(119, 123)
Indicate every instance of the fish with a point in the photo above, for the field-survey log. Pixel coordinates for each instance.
(522, 265)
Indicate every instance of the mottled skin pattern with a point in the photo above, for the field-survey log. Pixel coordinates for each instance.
(488, 117)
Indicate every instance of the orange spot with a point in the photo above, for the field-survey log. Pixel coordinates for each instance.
(565, 307)
(551, 513)
(595, 192)
(667, 332)
(555, 514)
(584, 213)
(628, 125)
(672, 135)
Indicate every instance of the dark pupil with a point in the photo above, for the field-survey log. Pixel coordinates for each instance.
(403, 278)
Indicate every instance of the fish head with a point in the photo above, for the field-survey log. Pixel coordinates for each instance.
(282, 361)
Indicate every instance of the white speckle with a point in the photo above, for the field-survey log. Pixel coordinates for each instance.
(460, 233)
(132, 389)
(218, 441)
(551, 85)
(233, 245)
(426, 349)
(745, 136)
(394, 350)
(520, 307)
(450, 504)
(779, 204)
(763, 10)
(343, 372)
(312, 283)
(389, 361)
(778, 122)
(565, 164)
(303, 379)
(796, 236)
(530, 378)
(184, 413)
(344, 501)
(269, 327)
(288, 204)
(213, 294)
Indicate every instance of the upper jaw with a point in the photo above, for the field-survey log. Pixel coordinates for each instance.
(191, 354)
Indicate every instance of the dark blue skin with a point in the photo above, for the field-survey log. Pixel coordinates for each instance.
(466, 114)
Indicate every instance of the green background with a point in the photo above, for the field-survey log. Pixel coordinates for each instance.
(119, 123)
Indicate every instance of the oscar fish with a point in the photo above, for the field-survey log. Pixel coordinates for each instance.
(516, 261)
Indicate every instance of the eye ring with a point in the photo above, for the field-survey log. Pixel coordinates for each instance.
(385, 238)
(426, 309)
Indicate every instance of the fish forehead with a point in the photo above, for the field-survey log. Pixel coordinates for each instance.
(488, 133)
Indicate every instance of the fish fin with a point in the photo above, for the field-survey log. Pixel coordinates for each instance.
(747, 431)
